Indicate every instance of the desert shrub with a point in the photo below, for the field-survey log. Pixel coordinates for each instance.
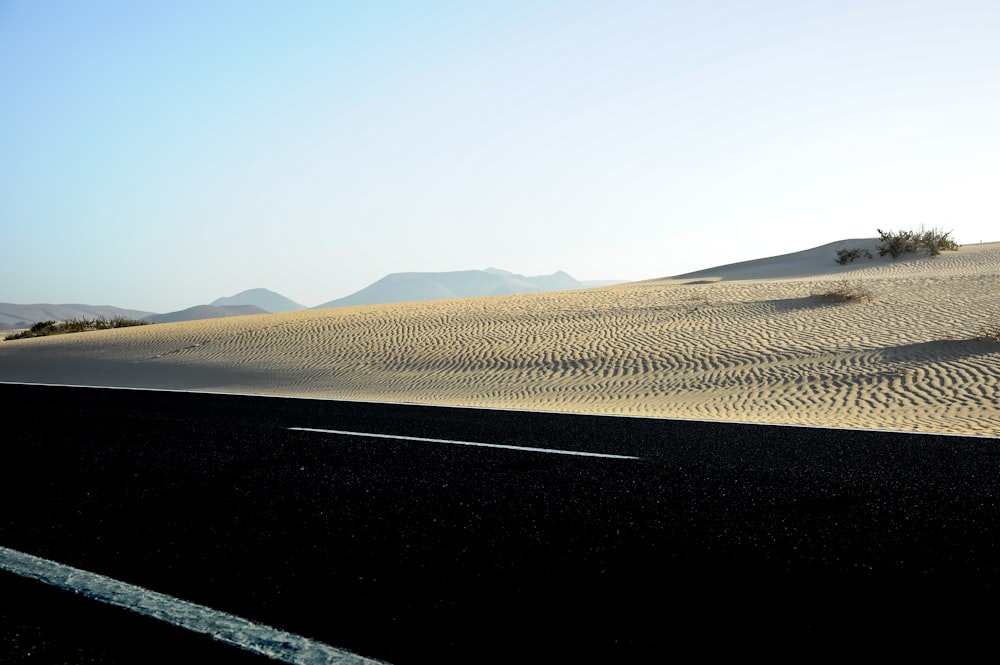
(26, 334)
(118, 322)
(39, 329)
(895, 243)
(990, 331)
(78, 325)
(41, 326)
(845, 256)
(935, 241)
(846, 291)
(932, 241)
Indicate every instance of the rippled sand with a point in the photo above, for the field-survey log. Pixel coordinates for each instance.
(720, 344)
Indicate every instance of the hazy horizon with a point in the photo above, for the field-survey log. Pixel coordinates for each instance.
(161, 155)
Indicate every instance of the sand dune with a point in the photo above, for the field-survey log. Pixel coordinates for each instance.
(724, 344)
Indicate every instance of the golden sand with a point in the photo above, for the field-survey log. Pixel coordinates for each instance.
(750, 342)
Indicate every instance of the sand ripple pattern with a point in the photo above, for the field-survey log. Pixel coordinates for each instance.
(763, 351)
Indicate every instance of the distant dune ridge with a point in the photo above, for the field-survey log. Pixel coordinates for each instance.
(755, 341)
(806, 263)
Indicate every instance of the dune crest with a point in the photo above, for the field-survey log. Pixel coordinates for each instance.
(703, 345)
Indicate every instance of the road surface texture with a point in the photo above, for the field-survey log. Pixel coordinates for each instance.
(689, 539)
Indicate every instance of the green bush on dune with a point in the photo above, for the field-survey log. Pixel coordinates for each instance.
(896, 243)
(83, 324)
(932, 241)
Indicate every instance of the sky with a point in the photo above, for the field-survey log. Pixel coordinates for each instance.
(158, 155)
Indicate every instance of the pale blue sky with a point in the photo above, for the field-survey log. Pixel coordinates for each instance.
(158, 155)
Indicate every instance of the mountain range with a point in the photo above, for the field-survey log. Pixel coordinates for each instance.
(396, 287)
(408, 286)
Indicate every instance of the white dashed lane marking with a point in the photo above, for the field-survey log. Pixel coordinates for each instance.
(229, 628)
(397, 437)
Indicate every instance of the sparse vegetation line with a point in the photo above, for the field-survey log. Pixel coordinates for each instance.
(83, 324)
(931, 241)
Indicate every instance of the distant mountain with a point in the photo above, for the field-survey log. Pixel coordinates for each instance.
(557, 281)
(204, 312)
(23, 316)
(409, 286)
(267, 300)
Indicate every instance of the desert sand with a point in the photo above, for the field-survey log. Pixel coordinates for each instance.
(751, 342)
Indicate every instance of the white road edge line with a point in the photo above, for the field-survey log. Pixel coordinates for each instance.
(554, 451)
(228, 628)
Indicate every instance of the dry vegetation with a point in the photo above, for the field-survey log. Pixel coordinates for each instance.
(929, 241)
(990, 331)
(846, 291)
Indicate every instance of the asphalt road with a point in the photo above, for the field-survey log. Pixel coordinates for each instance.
(717, 539)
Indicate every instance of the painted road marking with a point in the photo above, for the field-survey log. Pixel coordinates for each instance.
(222, 626)
(554, 451)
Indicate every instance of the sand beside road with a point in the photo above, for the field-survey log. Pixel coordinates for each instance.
(750, 342)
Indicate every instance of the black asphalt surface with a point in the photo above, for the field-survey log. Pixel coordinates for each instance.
(722, 539)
